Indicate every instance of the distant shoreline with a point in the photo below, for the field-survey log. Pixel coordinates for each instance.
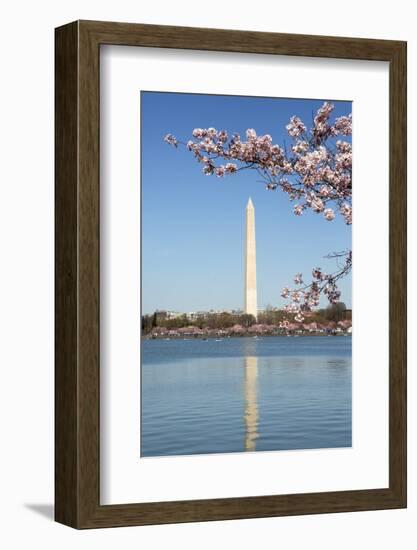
(162, 325)
(245, 335)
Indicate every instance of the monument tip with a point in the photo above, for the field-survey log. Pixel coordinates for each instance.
(250, 203)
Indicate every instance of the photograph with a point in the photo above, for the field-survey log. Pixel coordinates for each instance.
(204, 346)
(246, 274)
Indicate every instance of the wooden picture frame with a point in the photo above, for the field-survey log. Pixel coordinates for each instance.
(77, 404)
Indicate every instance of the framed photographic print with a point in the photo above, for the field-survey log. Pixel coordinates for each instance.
(230, 274)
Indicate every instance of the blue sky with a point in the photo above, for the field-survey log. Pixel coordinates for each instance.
(193, 225)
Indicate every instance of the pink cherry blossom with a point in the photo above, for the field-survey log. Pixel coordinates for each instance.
(199, 133)
(230, 167)
(285, 292)
(298, 279)
(317, 205)
(346, 211)
(343, 125)
(250, 134)
(329, 214)
(172, 140)
(296, 127)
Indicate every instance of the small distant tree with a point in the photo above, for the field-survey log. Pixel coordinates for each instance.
(225, 320)
(247, 320)
(271, 316)
(147, 323)
(154, 319)
(335, 312)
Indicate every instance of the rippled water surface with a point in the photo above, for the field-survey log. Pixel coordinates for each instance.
(245, 394)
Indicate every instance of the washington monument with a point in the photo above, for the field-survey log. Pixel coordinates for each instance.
(251, 301)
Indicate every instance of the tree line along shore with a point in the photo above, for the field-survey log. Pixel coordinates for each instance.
(334, 320)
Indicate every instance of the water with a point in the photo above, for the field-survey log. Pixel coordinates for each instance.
(245, 394)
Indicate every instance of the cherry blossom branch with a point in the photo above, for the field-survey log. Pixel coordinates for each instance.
(315, 172)
(306, 296)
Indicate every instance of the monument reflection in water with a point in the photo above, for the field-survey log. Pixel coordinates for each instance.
(251, 403)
